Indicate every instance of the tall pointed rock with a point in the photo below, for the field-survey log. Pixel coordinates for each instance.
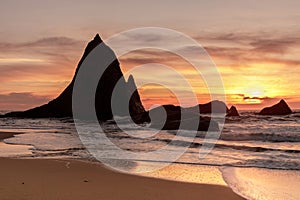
(62, 105)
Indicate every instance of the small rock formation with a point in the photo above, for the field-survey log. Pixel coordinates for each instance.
(210, 107)
(62, 105)
(233, 112)
(170, 117)
(280, 108)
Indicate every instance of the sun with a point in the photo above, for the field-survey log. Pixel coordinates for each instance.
(254, 94)
(254, 91)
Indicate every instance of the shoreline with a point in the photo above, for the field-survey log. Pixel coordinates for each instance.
(13, 150)
(16, 172)
(239, 182)
(6, 134)
(76, 179)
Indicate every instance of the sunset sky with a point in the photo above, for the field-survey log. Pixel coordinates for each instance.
(255, 45)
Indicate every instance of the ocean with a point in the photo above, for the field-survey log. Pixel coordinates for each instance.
(258, 156)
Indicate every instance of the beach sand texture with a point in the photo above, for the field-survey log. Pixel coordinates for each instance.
(71, 179)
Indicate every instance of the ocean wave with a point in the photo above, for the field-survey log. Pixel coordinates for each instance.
(264, 137)
(261, 184)
(251, 141)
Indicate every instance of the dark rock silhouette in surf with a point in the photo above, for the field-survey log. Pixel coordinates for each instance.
(233, 112)
(170, 117)
(215, 106)
(280, 108)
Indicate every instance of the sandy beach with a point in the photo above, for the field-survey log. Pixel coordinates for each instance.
(72, 179)
(77, 179)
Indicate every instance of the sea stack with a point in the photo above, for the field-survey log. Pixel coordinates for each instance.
(62, 105)
(170, 117)
(280, 108)
(233, 112)
(215, 106)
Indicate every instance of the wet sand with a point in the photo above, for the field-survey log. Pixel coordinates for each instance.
(5, 135)
(73, 179)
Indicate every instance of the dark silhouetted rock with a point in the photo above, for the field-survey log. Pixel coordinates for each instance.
(232, 112)
(280, 108)
(136, 108)
(208, 108)
(62, 105)
(170, 117)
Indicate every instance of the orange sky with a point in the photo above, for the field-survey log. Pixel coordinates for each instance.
(256, 47)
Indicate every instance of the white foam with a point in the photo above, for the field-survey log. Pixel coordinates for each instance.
(46, 141)
(7, 150)
(263, 184)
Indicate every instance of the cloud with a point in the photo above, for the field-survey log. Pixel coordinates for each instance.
(274, 46)
(56, 41)
(144, 36)
(231, 49)
(59, 50)
(249, 38)
(48, 59)
(252, 47)
(30, 72)
(247, 56)
(44, 42)
(21, 101)
(236, 36)
(256, 98)
(150, 56)
(147, 56)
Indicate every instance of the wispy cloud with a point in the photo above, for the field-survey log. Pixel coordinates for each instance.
(231, 48)
(43, 60)
(21, 101)
(44, 42)
(53, 49)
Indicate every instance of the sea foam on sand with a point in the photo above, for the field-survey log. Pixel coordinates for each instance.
(7, 150)
(263, 184)
(186, 173)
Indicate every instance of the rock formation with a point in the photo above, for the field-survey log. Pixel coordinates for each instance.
(170, 117)
(62, 105)
(232, 112)
(211, 107)
(136, 108)
(280, 108)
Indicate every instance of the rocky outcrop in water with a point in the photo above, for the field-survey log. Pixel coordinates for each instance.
(170, 117)
(62, 105)
(232, 112)
(210, 107)
(280, 108)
